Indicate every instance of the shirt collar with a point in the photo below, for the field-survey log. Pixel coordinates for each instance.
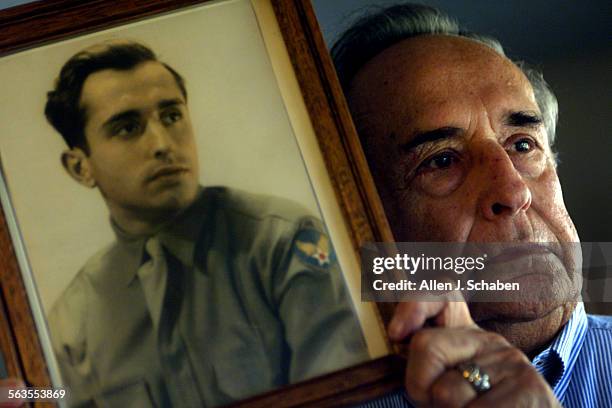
(557, 361)
(130, 251)
(179, 237)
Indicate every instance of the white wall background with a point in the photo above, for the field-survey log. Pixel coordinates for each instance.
(244, 137)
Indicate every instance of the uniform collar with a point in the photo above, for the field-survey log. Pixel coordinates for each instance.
(179, 237)
(129, 250)
(557, 361)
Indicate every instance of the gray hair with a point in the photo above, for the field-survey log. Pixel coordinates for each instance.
(373, 33)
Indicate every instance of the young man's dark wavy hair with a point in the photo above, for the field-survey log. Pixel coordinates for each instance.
(64, 110)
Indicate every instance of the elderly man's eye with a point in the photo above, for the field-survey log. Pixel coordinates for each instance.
(523, 145)
(440, 173)
(438, 162)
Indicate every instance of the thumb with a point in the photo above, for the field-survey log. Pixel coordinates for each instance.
(450, 311)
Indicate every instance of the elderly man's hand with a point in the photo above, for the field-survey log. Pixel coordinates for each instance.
(432, 377)
(451, 311)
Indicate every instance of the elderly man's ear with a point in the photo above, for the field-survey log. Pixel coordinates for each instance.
(76, 163)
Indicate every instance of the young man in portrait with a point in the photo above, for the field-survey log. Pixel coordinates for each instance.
(207, 295)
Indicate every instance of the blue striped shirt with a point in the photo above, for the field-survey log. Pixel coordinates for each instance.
(577, 365)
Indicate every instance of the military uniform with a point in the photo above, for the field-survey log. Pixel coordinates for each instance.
(253, 300)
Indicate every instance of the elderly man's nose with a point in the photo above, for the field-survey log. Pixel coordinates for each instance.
(506, 193)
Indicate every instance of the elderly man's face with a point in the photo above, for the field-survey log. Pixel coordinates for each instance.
(142, 149)
(459, 152)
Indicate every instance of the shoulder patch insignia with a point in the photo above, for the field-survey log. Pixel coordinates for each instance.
(313, 248)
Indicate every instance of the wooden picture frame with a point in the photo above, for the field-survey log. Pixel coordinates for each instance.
(344, 163)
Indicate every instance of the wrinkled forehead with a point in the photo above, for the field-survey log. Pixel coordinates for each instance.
(433, 70)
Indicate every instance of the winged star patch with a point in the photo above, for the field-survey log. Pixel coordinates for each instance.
(313, 248)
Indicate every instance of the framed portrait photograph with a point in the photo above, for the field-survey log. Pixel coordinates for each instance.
(183, 199)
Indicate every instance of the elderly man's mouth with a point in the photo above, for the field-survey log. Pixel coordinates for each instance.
(512, 252)
(533, 266)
